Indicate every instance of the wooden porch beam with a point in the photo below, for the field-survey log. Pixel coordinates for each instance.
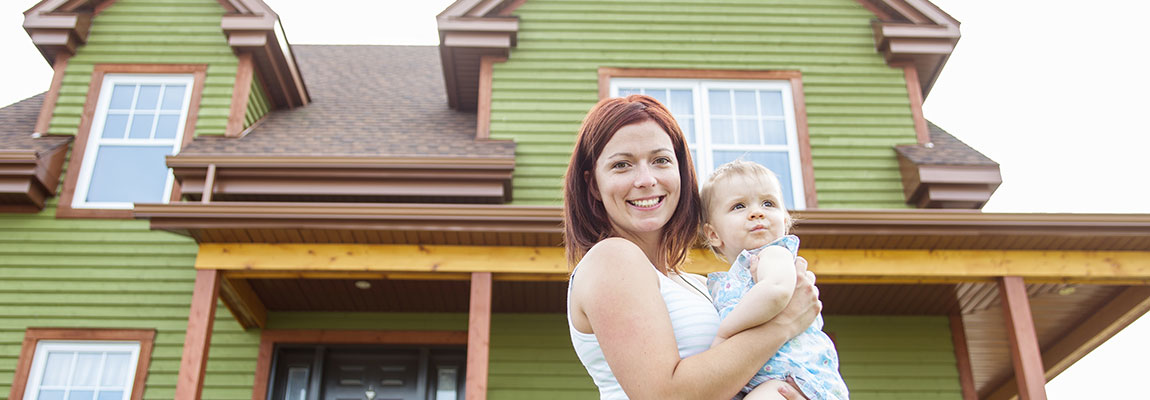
(1024, 352)
(198, 338)
(1104, 323)
(245, 305)
(478, 336)
(962, 358)
(832, 265)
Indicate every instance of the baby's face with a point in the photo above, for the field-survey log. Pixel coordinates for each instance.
(746, 213)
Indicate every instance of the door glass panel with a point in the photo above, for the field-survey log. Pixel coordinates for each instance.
(446, 383)
(297, 383)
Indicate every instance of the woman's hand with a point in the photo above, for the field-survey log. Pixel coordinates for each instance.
(804, 306)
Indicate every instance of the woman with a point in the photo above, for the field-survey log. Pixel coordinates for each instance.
(639, 324)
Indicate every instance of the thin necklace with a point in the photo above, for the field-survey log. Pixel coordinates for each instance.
(693, 287)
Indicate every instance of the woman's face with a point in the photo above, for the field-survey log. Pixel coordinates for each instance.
(637, 179)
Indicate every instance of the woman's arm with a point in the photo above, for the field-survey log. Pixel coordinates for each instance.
(617, 294)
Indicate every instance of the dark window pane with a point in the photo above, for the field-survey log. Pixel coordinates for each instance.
(148, 97)
(166, 126)
(122, 97)
(135, 174)
(141, 126)
(114, 126)
(173, 97)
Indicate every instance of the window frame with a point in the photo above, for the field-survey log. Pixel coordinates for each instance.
(797, 147)
(87, 170)
(39, 359)
(80, 147)
(24, 375)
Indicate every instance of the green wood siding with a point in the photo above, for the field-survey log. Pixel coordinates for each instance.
(93, 273)
(258, 103)
(857, 106)
(153, 32)
(888, 357)
(532, 358)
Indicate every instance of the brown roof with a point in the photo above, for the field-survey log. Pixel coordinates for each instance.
(945, 150)
(383, 101)
(18, 121)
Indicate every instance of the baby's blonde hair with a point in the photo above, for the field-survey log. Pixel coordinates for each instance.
(737, 168)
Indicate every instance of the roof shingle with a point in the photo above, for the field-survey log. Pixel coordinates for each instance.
(381, 101)
(945, 149)
(18, 121)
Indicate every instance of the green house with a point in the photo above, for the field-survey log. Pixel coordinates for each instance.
(197, 208)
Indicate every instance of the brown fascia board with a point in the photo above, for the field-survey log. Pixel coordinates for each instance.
(480, 179)
(28, 178)
(948, 186)
(56, 32)
(464, 27)
(547, 219)
(255, 29)
(914, 31)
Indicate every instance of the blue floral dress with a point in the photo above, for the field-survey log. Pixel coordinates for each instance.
(809, 359)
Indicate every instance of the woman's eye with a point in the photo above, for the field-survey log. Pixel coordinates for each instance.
(663, 160)
(620, 164)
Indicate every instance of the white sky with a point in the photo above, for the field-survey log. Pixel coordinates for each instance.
(1055, 91)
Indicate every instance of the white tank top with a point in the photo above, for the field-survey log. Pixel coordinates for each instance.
(693, 318)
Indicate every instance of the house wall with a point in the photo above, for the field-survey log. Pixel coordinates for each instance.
(153, 32)
(889, 357)
(857, 106)
(98, 273)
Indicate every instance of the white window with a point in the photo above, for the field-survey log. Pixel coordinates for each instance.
(74, 370)
(139, 119)
(728, 120)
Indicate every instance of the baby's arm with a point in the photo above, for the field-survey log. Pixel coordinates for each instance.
(774, 284)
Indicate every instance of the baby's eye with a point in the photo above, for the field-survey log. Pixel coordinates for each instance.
(768, 203)
(738, 206)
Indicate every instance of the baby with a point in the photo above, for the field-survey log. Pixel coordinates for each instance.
(745, 221)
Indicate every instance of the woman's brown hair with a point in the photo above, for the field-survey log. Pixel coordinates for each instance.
(585, 221)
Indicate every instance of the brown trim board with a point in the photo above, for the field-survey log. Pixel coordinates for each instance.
(795, 78)
(198, 337)
(44, 120)
(199, 74)
(483, 108)
(914, 93)
(962, 358)
(270, 338)
(240, 93)
(32, 336)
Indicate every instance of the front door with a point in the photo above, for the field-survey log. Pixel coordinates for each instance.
(367, 373)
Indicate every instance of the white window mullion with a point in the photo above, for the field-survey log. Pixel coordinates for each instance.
(704, 149)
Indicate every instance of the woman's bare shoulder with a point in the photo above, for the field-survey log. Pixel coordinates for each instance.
(617, 255)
